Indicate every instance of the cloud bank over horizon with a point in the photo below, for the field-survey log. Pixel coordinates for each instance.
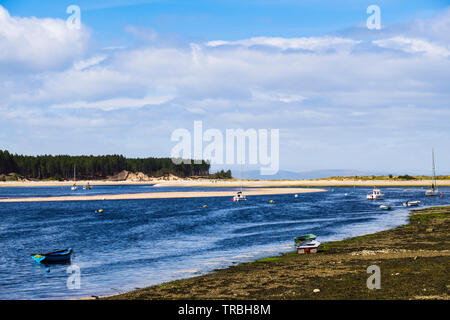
(354, 99)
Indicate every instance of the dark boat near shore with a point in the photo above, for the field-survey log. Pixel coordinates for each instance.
(61, 256)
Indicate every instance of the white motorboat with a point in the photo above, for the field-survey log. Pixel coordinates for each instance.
(411, 203)
(385, 207)
(434, 190)
(239, 196)
(375, 195)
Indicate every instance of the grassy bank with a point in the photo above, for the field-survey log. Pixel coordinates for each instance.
(413, 260)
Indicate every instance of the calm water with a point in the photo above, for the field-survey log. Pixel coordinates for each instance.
(136, 243)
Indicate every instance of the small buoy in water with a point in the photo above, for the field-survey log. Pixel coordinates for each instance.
(204, 206)
(332, 190)
(271, 201)
(99, 211)
(345, 194)
(296, 196)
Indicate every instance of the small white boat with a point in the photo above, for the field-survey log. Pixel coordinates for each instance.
(74, 187)
(239, 196)
(385, 207)
(309, 246)
(432, 192)
(411, 203)
(375, 195)
(87, 187)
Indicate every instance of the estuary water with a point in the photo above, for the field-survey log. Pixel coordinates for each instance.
(137, 243)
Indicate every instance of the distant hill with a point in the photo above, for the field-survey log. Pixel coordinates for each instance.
(315, 174)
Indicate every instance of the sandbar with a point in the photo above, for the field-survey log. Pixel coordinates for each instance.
(167, 195)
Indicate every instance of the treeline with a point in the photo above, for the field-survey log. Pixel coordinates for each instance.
(220, 175)
(61, 167)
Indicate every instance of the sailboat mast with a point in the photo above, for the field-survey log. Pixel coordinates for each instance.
(434, 170)
(241, 176)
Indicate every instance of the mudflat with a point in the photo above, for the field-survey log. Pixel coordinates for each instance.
(413, 260)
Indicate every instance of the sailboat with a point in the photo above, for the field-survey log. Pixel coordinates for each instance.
(434, 190)
(239, 196)
(74, 187)
(87, 187)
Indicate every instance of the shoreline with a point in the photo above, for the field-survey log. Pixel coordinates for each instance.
(233, 183)
(165, 195)
(412, 259)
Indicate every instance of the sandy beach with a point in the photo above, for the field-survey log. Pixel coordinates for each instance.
(413, 260)
(167, 195)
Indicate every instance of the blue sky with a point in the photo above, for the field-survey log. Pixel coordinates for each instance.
(225, 19)
(343, 96)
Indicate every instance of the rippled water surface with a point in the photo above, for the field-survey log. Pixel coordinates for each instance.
(136, 243)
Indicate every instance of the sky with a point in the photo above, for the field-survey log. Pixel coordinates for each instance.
(343, 96)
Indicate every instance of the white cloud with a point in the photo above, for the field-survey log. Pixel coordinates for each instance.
(116, 103)
(323, 90)
(93, 61)
(38, 44)
(311, 43)
(411, 45)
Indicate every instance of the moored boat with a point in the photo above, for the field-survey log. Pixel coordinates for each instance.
(385, 207)
(434, 190)
(61, 256)
(375, 195)
(300, 239)
(411, 203)
(309, 246)
(87, 187)
(239, 196)
(74, 187)
(307, 243)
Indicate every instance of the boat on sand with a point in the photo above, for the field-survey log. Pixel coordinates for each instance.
(307, 244)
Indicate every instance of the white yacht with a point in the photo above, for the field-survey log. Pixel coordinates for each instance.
(74, 187)
(375, 195)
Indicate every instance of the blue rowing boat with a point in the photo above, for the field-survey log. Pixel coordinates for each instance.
(61, 256)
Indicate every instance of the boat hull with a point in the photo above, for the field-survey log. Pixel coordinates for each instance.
(309, 246)
(307, 250)
(55, 257)
(411, 203)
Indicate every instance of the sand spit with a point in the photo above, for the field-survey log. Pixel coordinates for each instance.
(166, 195)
